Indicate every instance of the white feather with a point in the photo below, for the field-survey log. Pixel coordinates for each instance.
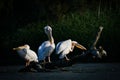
(64, 48)
(27, 54)
(45, 50)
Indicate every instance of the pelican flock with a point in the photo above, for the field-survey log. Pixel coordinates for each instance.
(47, 47)
(65, 47)
(27, 54)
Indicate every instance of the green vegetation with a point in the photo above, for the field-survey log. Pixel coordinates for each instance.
(78, 20)
(82, 28)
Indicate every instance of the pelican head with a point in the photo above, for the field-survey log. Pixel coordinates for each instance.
(75, 43)
(27, 46)
(48, 32)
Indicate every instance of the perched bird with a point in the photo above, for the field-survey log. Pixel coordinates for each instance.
(65, 47)
(47, 47)
(96, 52)
(26, 53)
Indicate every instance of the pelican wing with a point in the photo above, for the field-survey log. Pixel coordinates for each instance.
(63, 46)
(22, 53)
(45, 49)
(32, 55)
(58, 50)
(41, 50)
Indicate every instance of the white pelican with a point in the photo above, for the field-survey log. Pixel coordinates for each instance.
(100, 51)
(47, 47)
(65, 47)
(26, 53)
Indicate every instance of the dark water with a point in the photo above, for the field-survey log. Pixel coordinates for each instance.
(86, 71)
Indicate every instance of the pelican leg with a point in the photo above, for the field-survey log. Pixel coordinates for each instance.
(44, 61)
(49, 59)
(27, 63)
(67, 58)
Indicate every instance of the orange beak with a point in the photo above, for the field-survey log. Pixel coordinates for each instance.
(19, 48)
(80, 46)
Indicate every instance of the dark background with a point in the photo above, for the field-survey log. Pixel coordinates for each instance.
(22, 22)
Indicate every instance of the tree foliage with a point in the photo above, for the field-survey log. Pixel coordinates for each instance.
(22, 21)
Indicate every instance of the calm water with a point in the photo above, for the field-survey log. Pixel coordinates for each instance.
(86, 71)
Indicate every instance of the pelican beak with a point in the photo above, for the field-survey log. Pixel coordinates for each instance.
(50, 36)
(15, 48)
(19, 48)
(80, 46)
